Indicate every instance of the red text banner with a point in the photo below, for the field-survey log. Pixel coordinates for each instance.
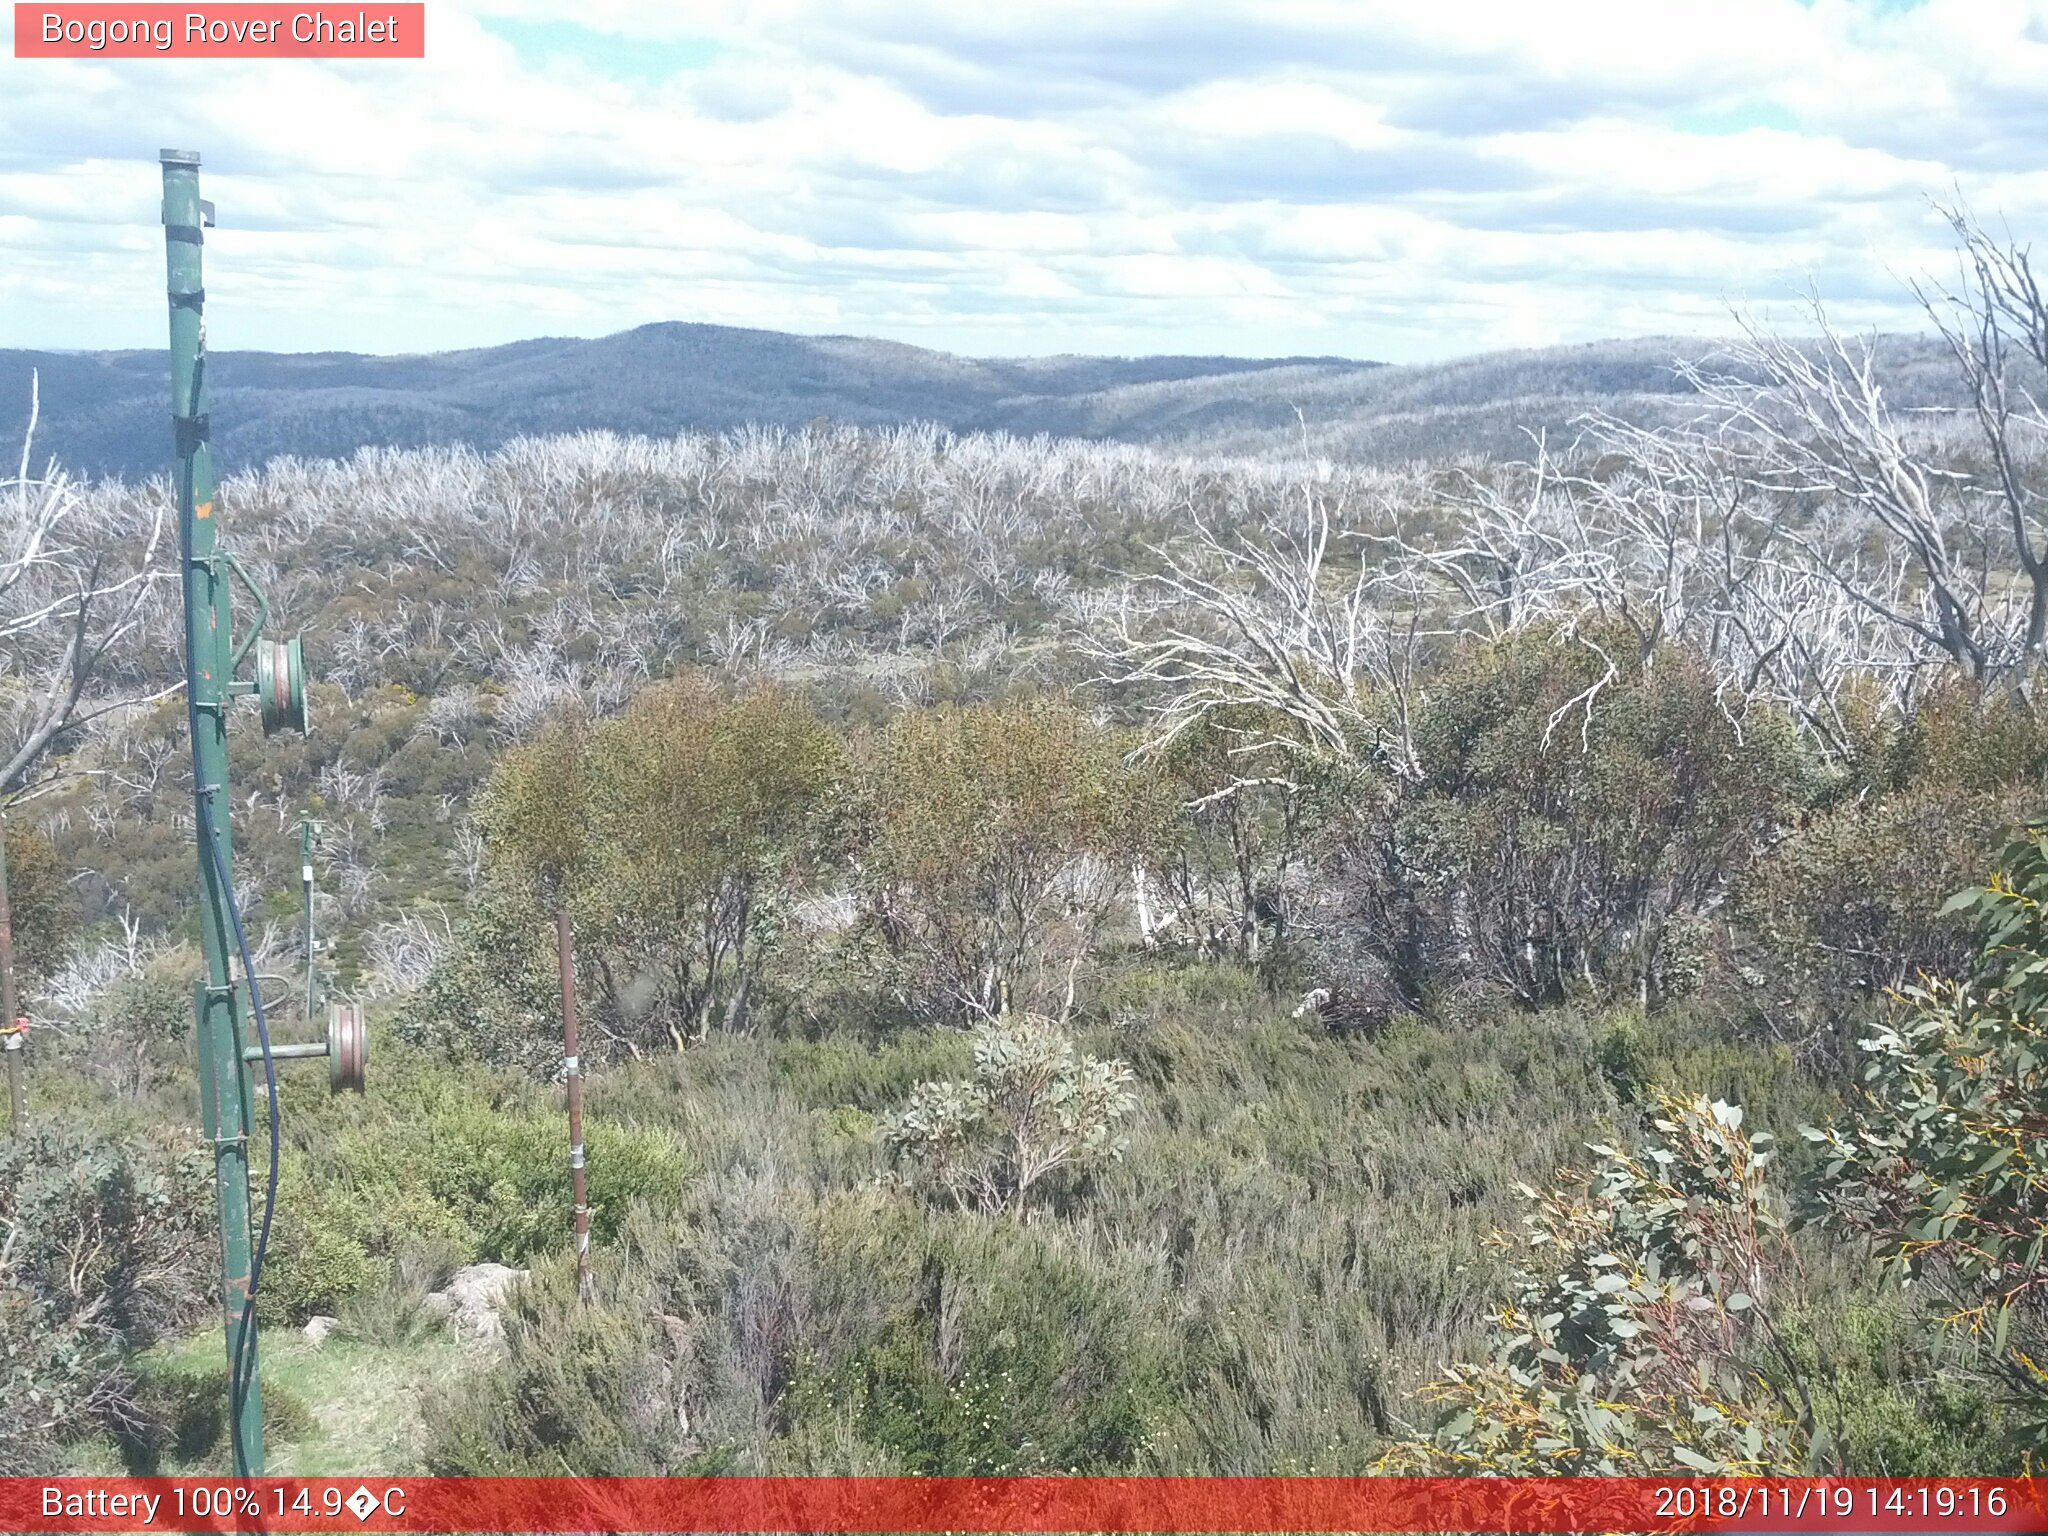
(1036, 1504)
(220, 31)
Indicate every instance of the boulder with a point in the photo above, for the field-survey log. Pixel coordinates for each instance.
(318, 1329)
(472, 1297)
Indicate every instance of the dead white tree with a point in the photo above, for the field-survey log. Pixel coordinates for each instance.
(1680, 544)
(1266, 627)
(1520, 549)
(1840, 472)
(73, 588)
(1996, 325)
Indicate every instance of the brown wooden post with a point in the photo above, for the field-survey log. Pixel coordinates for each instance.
(565, 955)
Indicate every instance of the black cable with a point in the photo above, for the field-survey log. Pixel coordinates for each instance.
(244, 1356)
(245, 1339)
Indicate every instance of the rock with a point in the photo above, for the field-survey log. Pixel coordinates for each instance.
(318, 1329)
(473, 1296)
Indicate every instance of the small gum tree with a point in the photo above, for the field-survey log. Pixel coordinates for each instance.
(539, 812)
(997, 840)
(1035, 1106)
(709, 813)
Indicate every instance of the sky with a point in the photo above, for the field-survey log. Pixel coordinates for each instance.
(1402, 181)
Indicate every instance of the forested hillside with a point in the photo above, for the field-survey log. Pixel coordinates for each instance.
(105, 410)
(1093, 956)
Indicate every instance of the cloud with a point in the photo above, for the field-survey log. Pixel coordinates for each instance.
(1360, 177)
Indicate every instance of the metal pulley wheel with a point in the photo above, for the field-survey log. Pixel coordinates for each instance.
(281, 685)
(348, 1047)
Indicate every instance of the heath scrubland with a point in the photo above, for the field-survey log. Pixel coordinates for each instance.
(1092, 957)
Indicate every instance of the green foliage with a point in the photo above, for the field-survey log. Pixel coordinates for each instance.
(962, 1348)
(434, 1172)
(133, 1040)
(1845, 905)
(1944, 1166)
(1035, 1107)
(996, 1356)
(709, 815)
(995, 839)
(104, 1247)
(42, 909)
(495, 997)
(1226, 846)
(579, 1386)
(1898, 1388)
(1639, 1318)
(535, 812)
(677, 834)
(1569, 823)
(1205, 1309)
(1624, 1057)
(181, 1415)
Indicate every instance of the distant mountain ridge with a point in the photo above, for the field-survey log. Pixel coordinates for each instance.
(104, 413)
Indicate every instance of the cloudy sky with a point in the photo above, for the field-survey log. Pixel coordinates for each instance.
(1391, 180)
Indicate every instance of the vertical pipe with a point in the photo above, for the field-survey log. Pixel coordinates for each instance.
(224, 1087)
(565, 958)
(306, 883)
(17, 1103)
(17, 1108)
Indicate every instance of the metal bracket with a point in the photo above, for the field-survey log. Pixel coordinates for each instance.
(241, 571)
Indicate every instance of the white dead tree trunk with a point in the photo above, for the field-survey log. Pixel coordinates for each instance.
(1996, 325)
(75, 583)
(1260, 628)
(1838, 469)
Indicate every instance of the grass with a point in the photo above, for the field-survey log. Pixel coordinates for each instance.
(348, 1407)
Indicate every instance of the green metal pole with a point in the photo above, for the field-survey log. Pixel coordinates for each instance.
(225, 1092)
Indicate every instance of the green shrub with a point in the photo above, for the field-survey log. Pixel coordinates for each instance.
(1568, 827)
(1641, 1333)
(43, 910)
(1624, 1058)
(496, 996)
(710, 815)
(586, 1388)
(994, 842)
(675, 834)
(1035, 1107)
(181, 1417)
(105, 1246)
(1848, 905)
(1907, 1401)
(441, 1171)
(1226, 844)
(993, 1354)
(1943, 1167)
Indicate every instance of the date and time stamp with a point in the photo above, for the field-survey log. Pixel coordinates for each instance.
(1766, 1506)
(1830, 1504)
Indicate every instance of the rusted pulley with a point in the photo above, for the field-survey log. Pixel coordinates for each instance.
(281, 685)
(348, 1047)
